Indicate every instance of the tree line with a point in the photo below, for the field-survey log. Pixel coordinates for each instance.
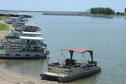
(100, 10)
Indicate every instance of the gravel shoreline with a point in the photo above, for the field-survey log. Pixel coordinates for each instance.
(13, 78)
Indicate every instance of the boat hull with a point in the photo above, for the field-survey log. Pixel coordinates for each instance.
(70, 78)
(23, 57)
(49, 77)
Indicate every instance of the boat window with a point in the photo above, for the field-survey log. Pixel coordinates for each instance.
(37, 55)
(27, 55)
(17, 54)
(7, 54)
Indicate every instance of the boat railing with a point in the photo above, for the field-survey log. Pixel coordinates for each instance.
(58, 69)
(62, 68)
(90, 63)
(58, 65)
(54, 64)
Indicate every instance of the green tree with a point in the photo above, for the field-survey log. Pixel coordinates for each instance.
(101, 10)
(117, 13)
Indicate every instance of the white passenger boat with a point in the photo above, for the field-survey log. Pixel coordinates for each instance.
(23, 45)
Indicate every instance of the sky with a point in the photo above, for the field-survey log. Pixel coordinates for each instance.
(61, 5)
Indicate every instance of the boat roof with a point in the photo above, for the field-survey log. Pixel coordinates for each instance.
(81, 50)
(37, 33)
(30, 24)
(19, 22)
(31, 38)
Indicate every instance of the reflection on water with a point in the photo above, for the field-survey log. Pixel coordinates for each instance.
(87, 80)
(105, 36)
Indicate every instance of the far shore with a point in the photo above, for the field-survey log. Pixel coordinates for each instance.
(82, 14)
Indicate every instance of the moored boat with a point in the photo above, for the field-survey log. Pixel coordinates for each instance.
(23, 45)
(24, 42)
(71, 70)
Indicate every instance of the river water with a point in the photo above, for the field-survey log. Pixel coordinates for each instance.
(106, 36)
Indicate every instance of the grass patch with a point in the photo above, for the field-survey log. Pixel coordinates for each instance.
(3, 27)
(4, 18)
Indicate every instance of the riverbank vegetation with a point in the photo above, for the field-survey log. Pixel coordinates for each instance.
(120, 13)
(100, 10)
(4, 18)
(3, 26)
